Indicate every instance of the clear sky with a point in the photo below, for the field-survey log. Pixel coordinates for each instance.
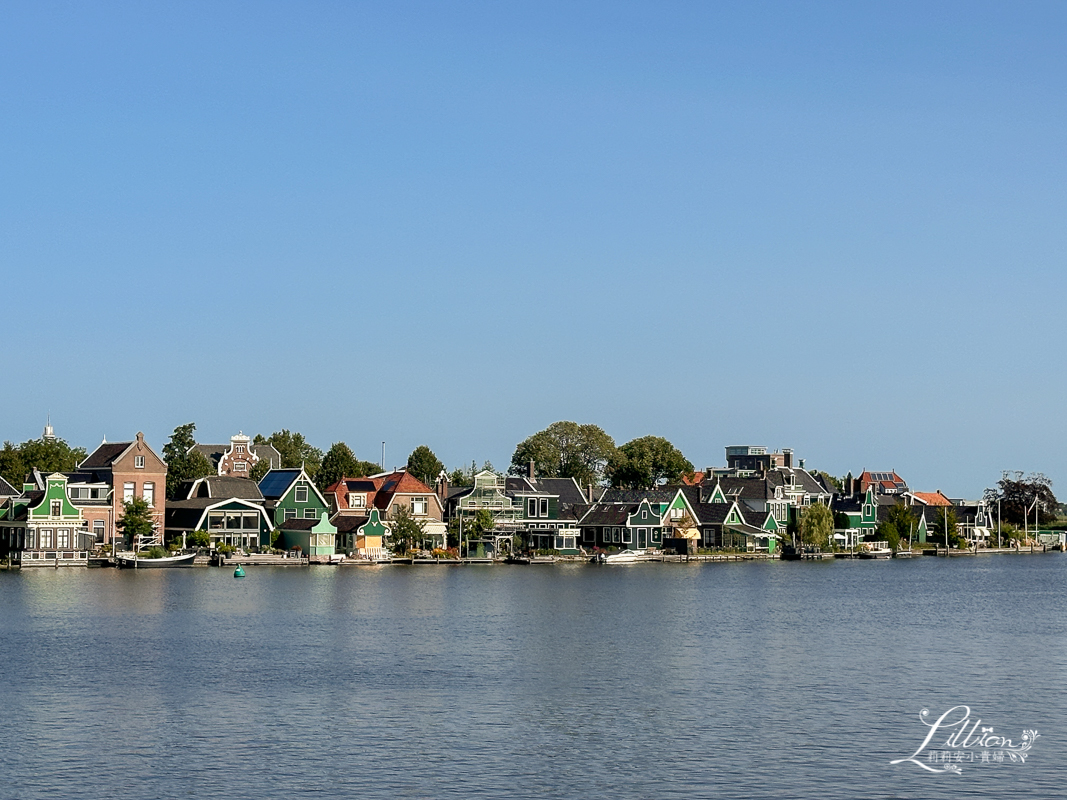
(836, 227)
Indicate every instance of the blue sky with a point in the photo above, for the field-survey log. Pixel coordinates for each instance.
(836, 227)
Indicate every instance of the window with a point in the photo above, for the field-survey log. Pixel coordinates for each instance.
(644, 514)
(615, 535)
(98, 530)
(627, 536)
(676, 513)
(544, 506)
(531, 507)
(57, 508)
(148, 492)
(46, 539)
(310, 513)
(138, 462)
(127, 492)
(290, 513)
(587, 536)
(240, 466)
(63, 538)
(240, 449)
(356, 500)
(418, 506)
(302, 493)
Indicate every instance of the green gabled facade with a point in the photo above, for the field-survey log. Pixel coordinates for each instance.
(645, 527)
(316, 539)
(291, 494)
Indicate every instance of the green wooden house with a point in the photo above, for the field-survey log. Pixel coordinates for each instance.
(290, 494)
(316, 538)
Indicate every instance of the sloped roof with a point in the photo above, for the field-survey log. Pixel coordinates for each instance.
(213, 452)
(7, 490)
(608, 514)
(277, 482)
(223, 486)
(267, 452)
(637, 495)
(932, 498)
(104, 455)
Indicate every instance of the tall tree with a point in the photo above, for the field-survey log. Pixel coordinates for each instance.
(816, 525)
(47, 455)
(566, 450)
(295, 450)
(184, 463)
(1017, 493)
(136, 520)
(405, 531)
(898, 526)
(945, 526)
(643, 463)
(340, 462)
(424, 465)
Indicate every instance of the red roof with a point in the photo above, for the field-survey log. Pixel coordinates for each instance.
(933, 498)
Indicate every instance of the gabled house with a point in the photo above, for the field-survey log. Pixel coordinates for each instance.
(489, 492)
(239, 456)
(386, 492)
(42, 527)
(230, 510)
(130, 469)
(316, 538)
(624, 525)
(362, 536)
(882, 482)
(291, 494)
(550, 511)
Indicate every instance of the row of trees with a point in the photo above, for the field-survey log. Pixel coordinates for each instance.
(589, 455)
(47, 455)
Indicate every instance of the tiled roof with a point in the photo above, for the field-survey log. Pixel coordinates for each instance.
(608, 514)
(105, 455)
(932, 498)
(637, 495)
(7, 490)
(213, 452)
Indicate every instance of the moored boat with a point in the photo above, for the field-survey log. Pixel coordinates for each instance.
(875, 550)
(622, 557)
(133, 562)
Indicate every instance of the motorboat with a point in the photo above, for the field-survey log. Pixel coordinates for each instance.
(621, 557)
(875, 550)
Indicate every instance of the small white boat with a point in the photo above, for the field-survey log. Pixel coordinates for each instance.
(904, 553)
(875, 550)
(622, 557)
(133, 562)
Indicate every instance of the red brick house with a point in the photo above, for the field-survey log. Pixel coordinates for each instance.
(131, 469)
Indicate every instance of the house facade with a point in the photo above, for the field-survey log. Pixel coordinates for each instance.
(43, 528)
(230, 510)
(130, 469)
(238, 458)
(291, 494)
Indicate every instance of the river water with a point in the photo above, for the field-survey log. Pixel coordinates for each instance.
(760, 679)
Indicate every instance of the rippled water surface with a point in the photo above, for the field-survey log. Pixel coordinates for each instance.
(648, 680)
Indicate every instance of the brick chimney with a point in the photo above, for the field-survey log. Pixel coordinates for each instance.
(442, 488)
(787, 458)
(532, 470)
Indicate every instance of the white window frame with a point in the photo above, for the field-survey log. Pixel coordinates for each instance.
(129, 491)
(303, 487)
(240, 466)
(627, 535)
(290, 513)
(544, 507)
(357, 500)
(55, 508)
(424, 502)
(148, 492)
(310, 513)
(138, 462)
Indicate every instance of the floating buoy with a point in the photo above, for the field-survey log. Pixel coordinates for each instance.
(239, 572)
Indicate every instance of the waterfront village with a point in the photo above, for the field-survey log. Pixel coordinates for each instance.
(239, 500)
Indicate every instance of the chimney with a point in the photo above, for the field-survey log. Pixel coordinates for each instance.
(532, 473)
(590, 493)
(442, 488)
(787, 458)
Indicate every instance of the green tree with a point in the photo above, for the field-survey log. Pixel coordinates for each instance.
(1016, 493)
(897, 526)
(198, 539)
(184, 463)
(259, 469)
(816, 525)
(566, 450)
(646, 462)
(482, 524)
(424, 465)
(405, 531)
(295, 450)
(136, 520)
(460, 477)
(47, 455)
(340, 462)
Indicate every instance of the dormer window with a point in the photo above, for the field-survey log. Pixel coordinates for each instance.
(138, 462)
(418, 506)
(357, 500)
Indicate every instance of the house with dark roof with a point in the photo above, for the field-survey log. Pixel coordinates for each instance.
(291, 494)
(622, 525)
(230, 510)
(240, 456)
(130, 469)
(550, 511)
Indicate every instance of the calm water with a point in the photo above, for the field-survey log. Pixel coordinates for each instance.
(718, 680)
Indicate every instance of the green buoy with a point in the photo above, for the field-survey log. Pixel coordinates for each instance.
(239, 572)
